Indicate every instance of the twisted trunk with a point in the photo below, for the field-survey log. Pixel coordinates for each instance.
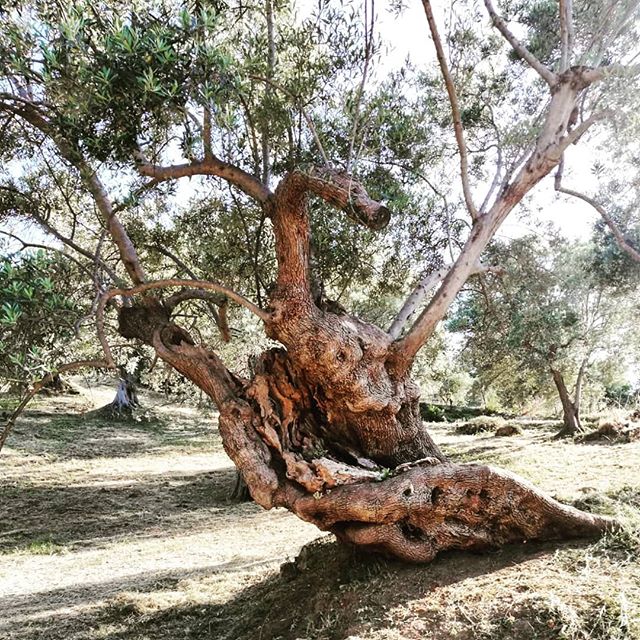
(570, 410)
(328, 425)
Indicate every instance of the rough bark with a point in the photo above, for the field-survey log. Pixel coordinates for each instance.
(328, 427)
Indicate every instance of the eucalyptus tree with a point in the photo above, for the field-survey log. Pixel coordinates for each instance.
(261, 111)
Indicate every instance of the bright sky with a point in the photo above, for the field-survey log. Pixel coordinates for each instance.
(409, 36)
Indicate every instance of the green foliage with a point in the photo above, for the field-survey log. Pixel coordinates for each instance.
(37, 315)
(547, 309)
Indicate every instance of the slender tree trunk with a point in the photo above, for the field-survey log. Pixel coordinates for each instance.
(577, 394)
(570, 414)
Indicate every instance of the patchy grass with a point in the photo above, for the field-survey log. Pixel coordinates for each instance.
(41, 547)
(124, 532)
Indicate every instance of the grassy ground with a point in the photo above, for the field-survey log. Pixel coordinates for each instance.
(123, 531)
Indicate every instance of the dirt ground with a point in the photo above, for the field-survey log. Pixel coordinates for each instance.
(124, 531)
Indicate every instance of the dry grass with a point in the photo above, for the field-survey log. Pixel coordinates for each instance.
(124, 532)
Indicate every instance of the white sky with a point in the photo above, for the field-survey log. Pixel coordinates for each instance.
(408, 35)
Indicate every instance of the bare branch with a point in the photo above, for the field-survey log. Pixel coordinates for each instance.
(368, 51)
(414, 300)
(208, 167)
(206, 133)
(455, 111)
(546, 74)
(621, 241)
(271, 64)
(573, 136)
(35, 245)
(40, 220)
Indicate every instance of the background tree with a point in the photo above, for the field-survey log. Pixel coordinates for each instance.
(544, 318)
(262, 113)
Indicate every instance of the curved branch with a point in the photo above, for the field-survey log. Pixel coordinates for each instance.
(455, 110)
(345, 193)
(210, 166)
(128, 254)
(195, 284)
(621, 241)
(545, 73)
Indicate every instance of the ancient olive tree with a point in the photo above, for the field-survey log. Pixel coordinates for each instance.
(279, 120)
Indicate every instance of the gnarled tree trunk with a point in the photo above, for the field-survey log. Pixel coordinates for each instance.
(328, 426)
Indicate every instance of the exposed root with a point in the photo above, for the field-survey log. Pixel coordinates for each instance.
(426, 510)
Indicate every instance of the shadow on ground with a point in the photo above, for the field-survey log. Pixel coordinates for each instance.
(84, 516)
(63, 436)
(328, 593)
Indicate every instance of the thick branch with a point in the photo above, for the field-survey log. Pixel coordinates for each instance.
(246, 182)
(422, 289)
(455, 110)
(566, 34)
(546, 74)
(345, 193)
(415, 299)
(291, 222)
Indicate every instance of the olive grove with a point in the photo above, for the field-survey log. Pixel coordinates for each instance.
(317, 191)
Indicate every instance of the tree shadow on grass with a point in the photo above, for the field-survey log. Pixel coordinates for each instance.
(329, 593)
(86, 516)
(86, 436)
